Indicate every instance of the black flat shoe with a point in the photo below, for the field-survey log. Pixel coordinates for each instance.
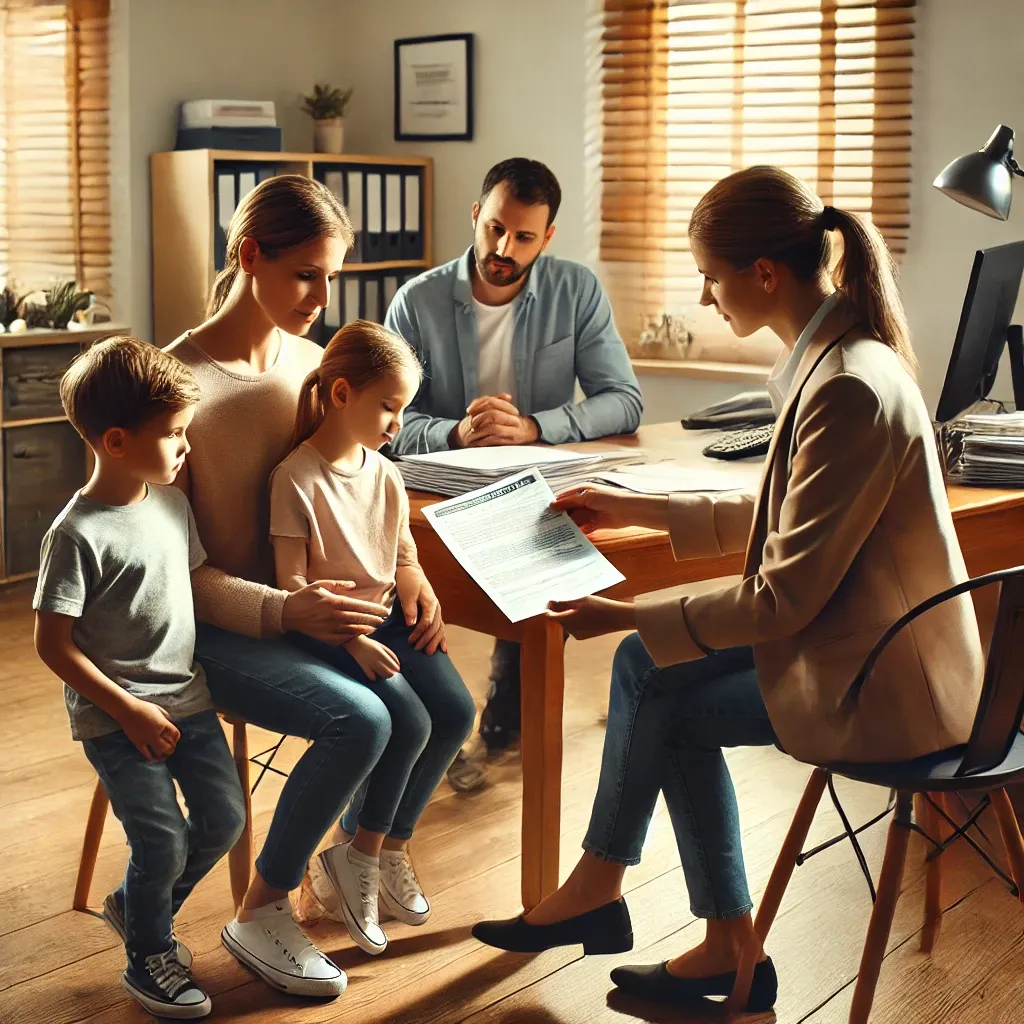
(604, 930)
(657, 985)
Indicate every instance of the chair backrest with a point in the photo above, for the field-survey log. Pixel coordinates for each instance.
(1001, 706)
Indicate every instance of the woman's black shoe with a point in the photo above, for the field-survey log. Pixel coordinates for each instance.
(605, 930)
(657, 985)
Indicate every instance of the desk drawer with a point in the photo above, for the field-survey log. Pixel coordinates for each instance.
(43, 466)
(32, 380)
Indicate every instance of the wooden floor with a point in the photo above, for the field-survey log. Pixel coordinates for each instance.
(59, 966)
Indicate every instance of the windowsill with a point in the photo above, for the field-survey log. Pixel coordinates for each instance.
(703, 369)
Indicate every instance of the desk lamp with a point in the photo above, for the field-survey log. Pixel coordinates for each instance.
(983, 180)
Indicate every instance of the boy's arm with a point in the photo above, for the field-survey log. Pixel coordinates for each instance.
(145, 724)
(291, 562)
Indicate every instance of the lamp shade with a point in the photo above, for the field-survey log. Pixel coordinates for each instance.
(982, 180)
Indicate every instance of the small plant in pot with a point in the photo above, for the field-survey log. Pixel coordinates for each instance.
(327, 107)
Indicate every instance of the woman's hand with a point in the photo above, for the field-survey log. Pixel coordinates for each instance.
(593, 616)
(421, 609)
(595, 507)
(376, 660)
(325, 612)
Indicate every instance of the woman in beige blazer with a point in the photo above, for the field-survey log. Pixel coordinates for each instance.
(850, 528)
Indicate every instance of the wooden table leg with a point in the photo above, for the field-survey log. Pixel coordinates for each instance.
(542, 670)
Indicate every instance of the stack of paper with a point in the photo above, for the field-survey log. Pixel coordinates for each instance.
(985, 449)
(453, 473)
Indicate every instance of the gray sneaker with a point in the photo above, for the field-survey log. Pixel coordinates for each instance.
(114, 916)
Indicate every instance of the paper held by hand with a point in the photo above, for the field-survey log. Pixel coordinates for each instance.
(520, 553)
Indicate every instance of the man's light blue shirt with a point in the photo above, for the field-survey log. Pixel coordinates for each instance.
(563, 331)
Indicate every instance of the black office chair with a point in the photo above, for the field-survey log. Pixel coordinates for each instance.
(992, 760)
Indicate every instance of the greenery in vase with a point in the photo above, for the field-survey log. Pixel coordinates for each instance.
(326, 102)
(60, 304)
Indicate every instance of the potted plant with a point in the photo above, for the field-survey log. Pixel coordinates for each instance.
(327, 108)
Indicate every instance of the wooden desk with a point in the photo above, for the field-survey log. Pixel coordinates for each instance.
(990, 525)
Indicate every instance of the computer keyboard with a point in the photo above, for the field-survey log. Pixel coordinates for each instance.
(741, 444)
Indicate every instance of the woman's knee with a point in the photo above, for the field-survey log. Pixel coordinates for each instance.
(632, 664)
(411, 724)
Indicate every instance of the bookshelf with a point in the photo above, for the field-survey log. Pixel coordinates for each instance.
(43, 461)
(191, 193)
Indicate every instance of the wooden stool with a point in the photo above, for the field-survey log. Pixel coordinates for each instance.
(240, 858)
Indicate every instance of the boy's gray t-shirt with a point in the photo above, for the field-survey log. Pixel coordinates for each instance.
(123, 572)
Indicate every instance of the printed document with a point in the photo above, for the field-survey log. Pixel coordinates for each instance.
(521, 553)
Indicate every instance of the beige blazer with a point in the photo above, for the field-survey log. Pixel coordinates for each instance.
(850, 528)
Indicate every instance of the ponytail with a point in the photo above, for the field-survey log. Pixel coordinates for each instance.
(866, 273)
(768, 212)
(310, 413)
(222, 285)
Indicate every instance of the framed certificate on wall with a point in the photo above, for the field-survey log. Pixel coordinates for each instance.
(434, 88)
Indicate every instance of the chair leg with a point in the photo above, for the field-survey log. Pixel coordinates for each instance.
(776, 888)
(91, 846)
(885, 906)
(240, 857)
(932, 824)
(791, 847)
(1010, 832)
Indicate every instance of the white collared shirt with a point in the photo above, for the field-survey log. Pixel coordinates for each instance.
(784, 370)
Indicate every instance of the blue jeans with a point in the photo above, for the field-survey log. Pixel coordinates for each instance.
(275, 686)
(666, 731)
(169, 854)
(431, 713)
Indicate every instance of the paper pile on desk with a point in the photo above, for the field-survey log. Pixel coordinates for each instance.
(521, 553)
(455, 472)
(985, 449)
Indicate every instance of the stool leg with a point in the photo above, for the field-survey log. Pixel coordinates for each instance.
(91, 846)
(933, 825)
(240, 857)
(885, 906)
(1010, 831)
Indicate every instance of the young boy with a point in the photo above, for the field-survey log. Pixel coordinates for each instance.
(114, 620)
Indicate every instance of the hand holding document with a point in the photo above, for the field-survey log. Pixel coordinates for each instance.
(520, 552)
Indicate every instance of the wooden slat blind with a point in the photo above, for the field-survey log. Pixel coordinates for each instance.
(693, 90)
(54, 144)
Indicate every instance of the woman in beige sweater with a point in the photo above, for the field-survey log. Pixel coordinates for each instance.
(849, 530)
(286, 243)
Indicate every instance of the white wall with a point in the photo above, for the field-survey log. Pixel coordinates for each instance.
(532, 100)
(969, 77)
(166, 51)
(529, 101)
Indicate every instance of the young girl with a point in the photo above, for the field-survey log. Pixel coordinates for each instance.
(338, 510)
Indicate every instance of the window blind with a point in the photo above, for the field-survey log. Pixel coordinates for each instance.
(693, 90)
(54, 144)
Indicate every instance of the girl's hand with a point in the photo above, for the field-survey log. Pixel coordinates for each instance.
(421, 609)
(595, 507)
(376, 660)
(325, 612)
(593, 616)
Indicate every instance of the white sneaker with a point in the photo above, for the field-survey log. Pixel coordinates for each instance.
(400, 890)
(356, 880)
(274, 946)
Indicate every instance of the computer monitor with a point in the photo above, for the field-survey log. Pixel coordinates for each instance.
(983, 331)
